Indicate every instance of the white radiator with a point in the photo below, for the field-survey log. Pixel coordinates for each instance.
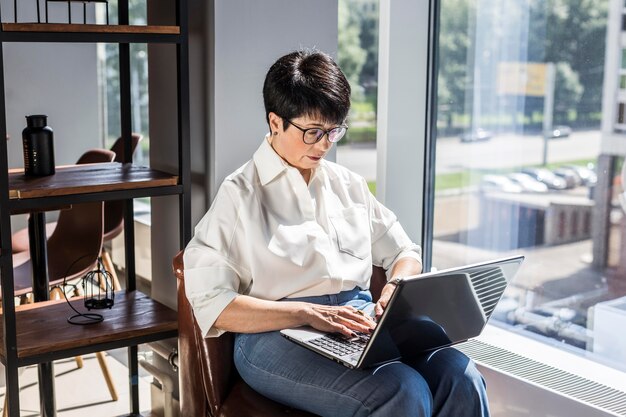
(527, 378)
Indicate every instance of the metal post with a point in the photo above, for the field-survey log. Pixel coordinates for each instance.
(133, 375)
(46, 389)
(430, 142)
(129, 232)
(182, 55)
(548, 110)
(39, 261)
(39, 257)
(6, 267)
(601, 212)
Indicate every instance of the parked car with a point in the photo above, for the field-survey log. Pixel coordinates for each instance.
(528, 183)
(586, 173)
(476, 135)
(499, 183)
(560, 132)
(547, 177)
(571, 177)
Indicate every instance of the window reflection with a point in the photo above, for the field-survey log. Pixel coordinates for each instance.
(528, 161)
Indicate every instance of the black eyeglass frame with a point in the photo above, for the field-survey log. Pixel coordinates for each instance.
(326, 132)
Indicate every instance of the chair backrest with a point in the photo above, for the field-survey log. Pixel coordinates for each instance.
(118, 146)
(75, 244)
(207, 371)
(94, 156)
(114, 210)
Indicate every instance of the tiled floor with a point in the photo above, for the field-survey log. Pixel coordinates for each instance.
(83, 392)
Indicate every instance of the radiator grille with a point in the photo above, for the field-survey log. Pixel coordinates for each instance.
(579, 388)
(489, 285)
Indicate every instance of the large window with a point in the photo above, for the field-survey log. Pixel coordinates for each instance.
(108, 57)
(522, 167)
(358, 58)
(109, 89)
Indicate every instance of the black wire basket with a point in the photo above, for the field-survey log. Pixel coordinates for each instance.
(98, 289)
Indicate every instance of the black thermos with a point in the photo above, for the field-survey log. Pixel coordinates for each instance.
(38, 147)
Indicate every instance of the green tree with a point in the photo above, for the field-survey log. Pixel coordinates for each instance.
(567, 92)
(351, 55)
(454, 76)
(576, 34)
(569, 32)
(368, 18)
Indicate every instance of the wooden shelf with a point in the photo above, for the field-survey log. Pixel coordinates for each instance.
(43, 330)
(40, 333)
(87, 178)
(89, 28)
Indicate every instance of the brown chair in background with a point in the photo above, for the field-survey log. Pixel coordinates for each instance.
(113, 210)
(73, 250)
(75, 241)
(209, 383)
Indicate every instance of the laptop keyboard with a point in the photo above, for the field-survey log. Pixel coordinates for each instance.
(341, 346)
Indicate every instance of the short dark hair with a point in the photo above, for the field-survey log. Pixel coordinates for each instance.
(306, 83)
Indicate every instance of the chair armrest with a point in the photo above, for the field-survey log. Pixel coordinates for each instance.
(206, 369)
(378, 281)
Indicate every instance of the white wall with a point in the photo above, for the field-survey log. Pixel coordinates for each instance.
(249, 36)
(232, 45)
(42, 78)
(402, 87)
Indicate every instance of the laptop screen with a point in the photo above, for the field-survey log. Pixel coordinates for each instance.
(438, 309)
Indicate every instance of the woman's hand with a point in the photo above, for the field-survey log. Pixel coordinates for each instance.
(339, 319)
(385, 296)
(404, 267)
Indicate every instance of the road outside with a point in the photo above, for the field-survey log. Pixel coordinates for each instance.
(457, 210)
(502, 151)
(512, 151)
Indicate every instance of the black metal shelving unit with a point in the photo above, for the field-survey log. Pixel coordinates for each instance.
(127, 329)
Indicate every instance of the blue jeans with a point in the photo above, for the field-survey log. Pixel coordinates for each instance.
(441, 383)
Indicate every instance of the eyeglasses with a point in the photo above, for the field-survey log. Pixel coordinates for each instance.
(315, 134)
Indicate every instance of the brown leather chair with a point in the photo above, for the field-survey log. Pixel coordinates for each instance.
(209, 383)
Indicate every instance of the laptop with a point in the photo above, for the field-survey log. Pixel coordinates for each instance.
(426, 312)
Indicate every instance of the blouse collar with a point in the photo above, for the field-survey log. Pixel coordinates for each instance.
(269, 164)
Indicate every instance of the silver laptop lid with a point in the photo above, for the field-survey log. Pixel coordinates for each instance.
(438, 309)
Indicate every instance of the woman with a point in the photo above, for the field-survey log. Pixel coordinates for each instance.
(290, 226)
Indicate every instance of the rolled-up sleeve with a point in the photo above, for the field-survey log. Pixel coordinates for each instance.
(390, 243)
(212, 278)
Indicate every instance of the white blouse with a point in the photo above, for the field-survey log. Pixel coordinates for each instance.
(270, 235)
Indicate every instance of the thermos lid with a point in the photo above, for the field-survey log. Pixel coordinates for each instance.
(36, 120)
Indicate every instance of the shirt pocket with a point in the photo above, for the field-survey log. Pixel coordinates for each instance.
(353, 231)
(296, 242)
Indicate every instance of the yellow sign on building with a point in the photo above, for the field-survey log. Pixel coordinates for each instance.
(522, 78)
